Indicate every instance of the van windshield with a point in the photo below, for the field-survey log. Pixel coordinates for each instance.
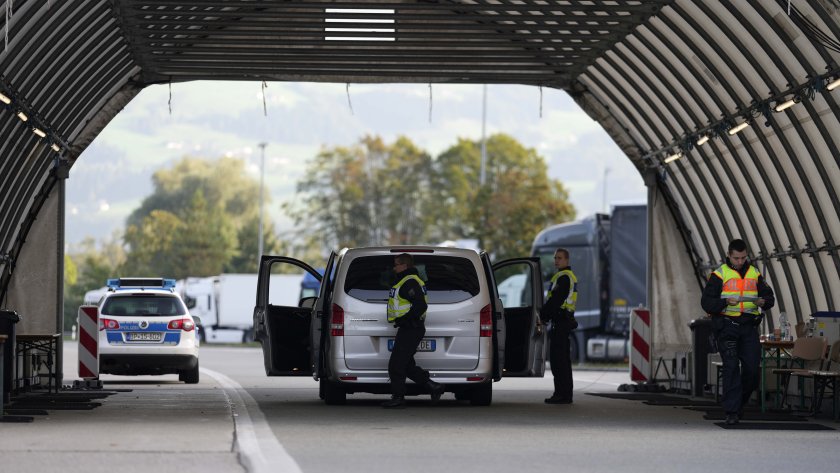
(448, 279)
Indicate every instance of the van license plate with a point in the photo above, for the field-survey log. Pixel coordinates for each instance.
(427, 344)
(144, 336)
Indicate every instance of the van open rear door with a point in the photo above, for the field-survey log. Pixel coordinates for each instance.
(284, 331)
(318, 338)
(520, 288)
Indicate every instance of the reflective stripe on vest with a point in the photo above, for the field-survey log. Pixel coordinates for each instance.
(397, 305)
(571, 300)
(736, 286)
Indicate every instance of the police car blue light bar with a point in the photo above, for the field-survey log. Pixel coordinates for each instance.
(140, 283)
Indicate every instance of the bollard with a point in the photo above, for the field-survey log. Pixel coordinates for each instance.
(88, 348)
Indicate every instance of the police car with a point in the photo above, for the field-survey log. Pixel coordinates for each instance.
(145, 329)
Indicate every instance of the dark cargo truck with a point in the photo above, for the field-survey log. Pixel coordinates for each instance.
(608, 256)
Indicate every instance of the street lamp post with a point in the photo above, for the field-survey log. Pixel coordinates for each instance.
(262, 178)
(604, 199)
(482, 175)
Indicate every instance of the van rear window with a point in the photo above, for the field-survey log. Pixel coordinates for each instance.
(448, 279)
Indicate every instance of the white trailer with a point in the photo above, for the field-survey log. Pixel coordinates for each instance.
(225, 303)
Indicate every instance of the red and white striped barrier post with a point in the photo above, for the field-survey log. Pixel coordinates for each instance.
(640, 345)
(89, 345)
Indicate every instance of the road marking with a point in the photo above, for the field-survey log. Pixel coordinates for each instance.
(259, 450)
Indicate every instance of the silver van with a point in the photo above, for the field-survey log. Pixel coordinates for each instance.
(341, 337)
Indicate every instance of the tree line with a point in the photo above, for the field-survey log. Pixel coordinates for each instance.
(202, 216)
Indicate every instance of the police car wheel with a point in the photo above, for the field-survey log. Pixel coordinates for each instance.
(189, 376)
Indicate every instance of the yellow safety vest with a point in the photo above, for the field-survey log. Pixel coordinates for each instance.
(571, 300)
(736, 286)
(397, 305)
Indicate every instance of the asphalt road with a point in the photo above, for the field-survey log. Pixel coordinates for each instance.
(237, 419)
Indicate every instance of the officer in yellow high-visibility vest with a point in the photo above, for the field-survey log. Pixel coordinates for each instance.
(559, 309)
(407, 305)
(734, 296)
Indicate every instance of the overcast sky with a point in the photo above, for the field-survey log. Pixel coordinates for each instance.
(214, 119)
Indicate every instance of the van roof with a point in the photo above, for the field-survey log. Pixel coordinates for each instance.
(412, 249)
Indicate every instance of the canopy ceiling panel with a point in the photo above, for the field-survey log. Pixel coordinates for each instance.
(698, 69)
(669, 80)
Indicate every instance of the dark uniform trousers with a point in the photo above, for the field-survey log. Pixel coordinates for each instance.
(561, 364)
(401, 364)
(740, 351)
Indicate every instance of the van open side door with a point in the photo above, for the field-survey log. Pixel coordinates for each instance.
(519, 284)
(498, 319)
(283, 330)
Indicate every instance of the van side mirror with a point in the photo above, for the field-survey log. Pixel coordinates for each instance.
(190, 302)
(307, 302)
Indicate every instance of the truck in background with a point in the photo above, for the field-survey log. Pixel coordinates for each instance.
(225, 303)
(609, 258)
(93, 296)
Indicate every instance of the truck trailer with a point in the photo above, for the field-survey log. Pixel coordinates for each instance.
(225, 303)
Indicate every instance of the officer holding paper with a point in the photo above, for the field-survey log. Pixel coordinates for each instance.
(735, 295)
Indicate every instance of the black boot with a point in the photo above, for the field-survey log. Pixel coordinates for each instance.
(731, 419)
(435, 390)
(396, 402)
(555, 399)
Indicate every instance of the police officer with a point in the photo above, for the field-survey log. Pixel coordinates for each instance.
(734, 296)
(559, 309)
(407, 304)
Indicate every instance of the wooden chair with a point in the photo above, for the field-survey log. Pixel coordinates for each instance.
(805, 353)
(801, 329)
(825, 378)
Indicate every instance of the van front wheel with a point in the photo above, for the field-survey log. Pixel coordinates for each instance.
(482, 395)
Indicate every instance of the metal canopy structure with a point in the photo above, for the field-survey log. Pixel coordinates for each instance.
(728, 109)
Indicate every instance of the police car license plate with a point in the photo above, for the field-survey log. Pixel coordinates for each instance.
(427, 344)
(144, 336)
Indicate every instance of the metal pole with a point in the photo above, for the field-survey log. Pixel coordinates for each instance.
(61, 170)
(652, 190)
(604, 198)
(483, 138)
(262, 178)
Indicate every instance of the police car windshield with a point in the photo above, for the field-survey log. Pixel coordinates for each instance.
(448, 279)
(148, 305)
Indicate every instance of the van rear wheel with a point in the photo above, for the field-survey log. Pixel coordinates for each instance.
(482, 395)
(334, 395)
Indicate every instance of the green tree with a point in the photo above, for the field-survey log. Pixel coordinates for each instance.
(245, 259)
(151, 245)
(368, 194)
(517, 200)
(405, 179)
(202, 219)
(208, 243)
(92, 262)
(223, 182)
(374, 193)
